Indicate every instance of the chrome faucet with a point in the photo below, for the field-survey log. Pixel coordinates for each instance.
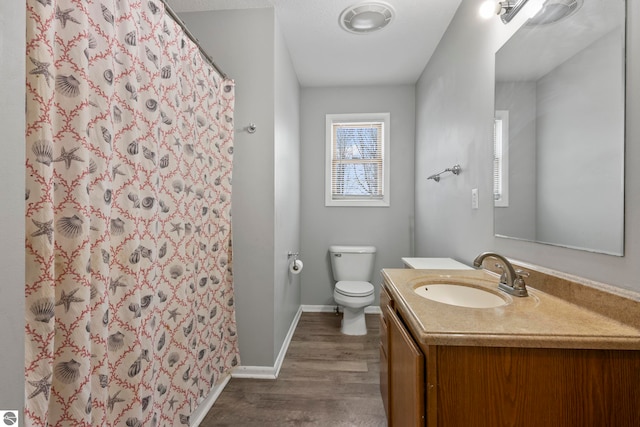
(511, 280)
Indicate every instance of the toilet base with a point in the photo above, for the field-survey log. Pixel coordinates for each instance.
(353, 321)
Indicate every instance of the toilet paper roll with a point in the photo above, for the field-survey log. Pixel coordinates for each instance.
(295, 267)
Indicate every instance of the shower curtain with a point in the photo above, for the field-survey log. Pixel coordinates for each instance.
(130, 318)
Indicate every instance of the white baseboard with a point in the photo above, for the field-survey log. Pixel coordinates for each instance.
(373, 309)
(287, 341)
(269, 372)
(332, 308)
(255, 372)
(203, 408)
(318, 308)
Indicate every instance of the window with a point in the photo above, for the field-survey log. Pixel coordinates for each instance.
(501, 159)
(357, 160)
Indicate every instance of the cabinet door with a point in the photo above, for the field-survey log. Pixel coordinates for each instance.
(385, 306)
(406, 376)
(384, 380)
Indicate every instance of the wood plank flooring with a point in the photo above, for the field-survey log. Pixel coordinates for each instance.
(326, 379)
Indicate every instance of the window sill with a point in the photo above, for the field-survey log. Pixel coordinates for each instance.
(357, 203)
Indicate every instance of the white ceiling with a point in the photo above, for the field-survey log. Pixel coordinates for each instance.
(325, 55)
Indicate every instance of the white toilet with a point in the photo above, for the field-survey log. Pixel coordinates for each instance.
(352, 269)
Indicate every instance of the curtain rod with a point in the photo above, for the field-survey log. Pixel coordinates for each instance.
(189, 34)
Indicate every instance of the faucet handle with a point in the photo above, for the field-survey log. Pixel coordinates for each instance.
(503, 272)
(518, 283)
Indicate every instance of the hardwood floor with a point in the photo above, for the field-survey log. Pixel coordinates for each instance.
(326, 379)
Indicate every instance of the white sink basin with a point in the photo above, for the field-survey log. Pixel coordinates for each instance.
(459, 295)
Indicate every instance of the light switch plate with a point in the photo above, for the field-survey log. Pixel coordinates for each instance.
(474, 198)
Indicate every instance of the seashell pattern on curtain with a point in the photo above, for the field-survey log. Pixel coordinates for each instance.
(130, 318)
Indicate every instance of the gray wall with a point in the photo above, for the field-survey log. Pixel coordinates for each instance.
(568, 123)
(12, 93)
(387, 228)
(454, 120)
(248, 47)
(287, 188)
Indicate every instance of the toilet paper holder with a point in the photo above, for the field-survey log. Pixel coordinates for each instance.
(295, 265)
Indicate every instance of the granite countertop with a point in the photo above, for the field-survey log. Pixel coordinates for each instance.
(539, 320)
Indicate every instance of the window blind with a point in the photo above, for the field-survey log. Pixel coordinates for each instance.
(501, 159)
(357, 160)
(497, 159)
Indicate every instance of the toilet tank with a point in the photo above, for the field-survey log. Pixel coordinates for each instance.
(352, 262)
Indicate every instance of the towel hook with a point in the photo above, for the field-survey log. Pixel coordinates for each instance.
(455, 169)
(251, 128)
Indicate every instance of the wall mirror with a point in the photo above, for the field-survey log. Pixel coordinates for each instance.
(559, 128)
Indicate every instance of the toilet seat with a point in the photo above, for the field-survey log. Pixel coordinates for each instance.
(352, 288)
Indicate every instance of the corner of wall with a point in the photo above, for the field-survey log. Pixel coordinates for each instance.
(12, 164)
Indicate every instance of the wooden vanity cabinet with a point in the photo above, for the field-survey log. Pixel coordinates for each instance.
(450, 386)
(402, 380)
(511, 386)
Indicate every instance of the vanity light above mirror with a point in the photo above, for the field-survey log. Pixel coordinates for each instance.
(541, 12)
(506, 9)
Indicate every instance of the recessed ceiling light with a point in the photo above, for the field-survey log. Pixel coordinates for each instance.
(364, 18)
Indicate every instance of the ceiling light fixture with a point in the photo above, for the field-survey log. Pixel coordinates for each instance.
(507, 9)
(365, 18)
(554, 11)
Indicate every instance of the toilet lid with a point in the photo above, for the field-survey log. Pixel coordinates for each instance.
(354, 289)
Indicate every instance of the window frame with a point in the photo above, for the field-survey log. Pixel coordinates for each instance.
(330, 120)
(501, 136)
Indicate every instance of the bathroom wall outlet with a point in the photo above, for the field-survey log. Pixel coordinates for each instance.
(474, 198)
